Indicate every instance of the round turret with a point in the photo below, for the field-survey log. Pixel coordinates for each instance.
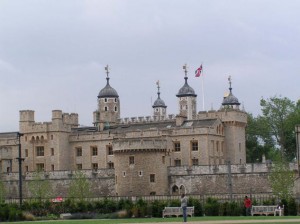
(230, 99)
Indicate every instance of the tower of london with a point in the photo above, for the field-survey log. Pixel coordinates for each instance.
(132, 156)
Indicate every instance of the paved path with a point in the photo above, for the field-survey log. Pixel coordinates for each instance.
(238, 221)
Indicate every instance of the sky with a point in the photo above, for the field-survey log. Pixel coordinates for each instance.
(53, 54)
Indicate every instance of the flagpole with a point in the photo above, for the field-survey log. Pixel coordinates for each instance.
(203, 107)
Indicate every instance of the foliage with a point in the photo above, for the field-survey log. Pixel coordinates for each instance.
(2, 191)
(281, 179)
(39, 187)
(280, 116)
(80, 187)
(258, 141)
(211, 207)
(198, 206)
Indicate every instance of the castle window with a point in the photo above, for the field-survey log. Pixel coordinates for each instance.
(26, 152)
(51, 137)
(194, 145)
(94, 150)
(40, 167)
(110, 165)
(25, 138)
(177, 162)
(124, 174)
(163, 159)
(116, 109)
(52, 167)
(115, 99)
(195, 162)
(153, 193)
(79, 166)
(131, 160)
(109, 150)
(40, 151)
(78, 151)
(105, 100)
(52, 151)
(95, 166)
(177, 146)
(140, 173)
(26, 169)
(152, 178)
(105, 108)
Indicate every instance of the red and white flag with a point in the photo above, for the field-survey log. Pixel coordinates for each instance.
(198, 71)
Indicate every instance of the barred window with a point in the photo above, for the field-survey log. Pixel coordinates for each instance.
(40, 151)
(194, 145)
(131, 160)
(78, 151)
(177, 146)
(177, 162)
(152, 178)
(94, 150)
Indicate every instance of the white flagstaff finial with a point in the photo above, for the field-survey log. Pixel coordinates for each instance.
(185, 67)
(107, 70)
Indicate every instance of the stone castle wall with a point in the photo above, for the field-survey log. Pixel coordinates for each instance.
(245, 179)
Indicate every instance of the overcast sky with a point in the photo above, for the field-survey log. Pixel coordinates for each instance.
(53, 54)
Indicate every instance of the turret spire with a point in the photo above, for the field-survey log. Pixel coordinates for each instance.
(107, 72)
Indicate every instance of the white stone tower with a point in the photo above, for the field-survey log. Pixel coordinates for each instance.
(187, 99)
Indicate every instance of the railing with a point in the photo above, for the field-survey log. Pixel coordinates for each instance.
(259, 198)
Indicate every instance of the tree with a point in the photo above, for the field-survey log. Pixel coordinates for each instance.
(258, 142)
(2, 191)
(80, 187)
(280, 116)
(40, 187)
(281, 179)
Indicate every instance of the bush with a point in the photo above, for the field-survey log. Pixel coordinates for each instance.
(292, 207)
(211, 207)
(157, 208)
(198, 206)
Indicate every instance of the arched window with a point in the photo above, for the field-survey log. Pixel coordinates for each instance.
(175, 190)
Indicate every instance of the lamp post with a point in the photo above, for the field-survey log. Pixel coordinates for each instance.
(20, 159)
(297, 130)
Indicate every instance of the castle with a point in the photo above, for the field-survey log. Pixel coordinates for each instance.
(141, 154)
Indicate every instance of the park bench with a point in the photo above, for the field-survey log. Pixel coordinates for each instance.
(177, 211)
(266, 210)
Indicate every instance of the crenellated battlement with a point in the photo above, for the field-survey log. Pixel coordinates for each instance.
(60, 122)
(145, 119)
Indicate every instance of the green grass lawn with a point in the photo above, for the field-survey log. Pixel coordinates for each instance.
(161, 220)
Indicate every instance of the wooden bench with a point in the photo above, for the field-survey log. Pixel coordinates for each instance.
(266, 210)
(177, 211)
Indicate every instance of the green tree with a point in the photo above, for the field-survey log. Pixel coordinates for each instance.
(258, 141)
(2, 191)
(280, 115)
(281, 179)
(40, 187)
(80, 187)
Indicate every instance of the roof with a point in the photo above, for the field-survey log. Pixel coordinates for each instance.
(186, 90)
(108, 91)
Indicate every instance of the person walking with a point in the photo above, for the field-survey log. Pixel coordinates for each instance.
(184, 202)
(248, 205)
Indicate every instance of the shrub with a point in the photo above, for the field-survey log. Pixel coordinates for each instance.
(198, 206)
(211, 207)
